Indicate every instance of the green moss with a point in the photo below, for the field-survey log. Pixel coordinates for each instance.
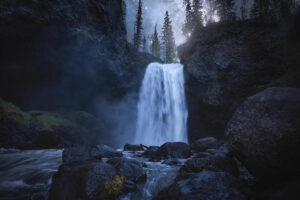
(9, 110)
(48, 121)
(113, 188)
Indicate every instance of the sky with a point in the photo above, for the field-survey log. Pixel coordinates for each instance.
(153, 13)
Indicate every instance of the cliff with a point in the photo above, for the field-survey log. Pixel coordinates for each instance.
(227, 62)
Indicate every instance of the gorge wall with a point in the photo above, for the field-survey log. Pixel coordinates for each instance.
(66, 54)
(227, 62)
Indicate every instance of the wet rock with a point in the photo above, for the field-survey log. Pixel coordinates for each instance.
(264, 134)
(81, 181)
(151, 152)
(128, 168)
(129, 147)
(129, 185)
(83, 152)
(105, 151)
(205, 143)
(205, 185)
(171, 162)
(174, 150)
(221, 160)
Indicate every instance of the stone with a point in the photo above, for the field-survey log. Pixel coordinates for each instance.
(264, 134)
(203, 144)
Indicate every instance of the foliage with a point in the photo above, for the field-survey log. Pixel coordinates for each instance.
(113, 188)
(48, 121)
(9, 110)
(197, 14)
(138, 27)
(155, 46)
(168, 40)
(188, 25)
(225, 9)
(193, 16)
(271, 10)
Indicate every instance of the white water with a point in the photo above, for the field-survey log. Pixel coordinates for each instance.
(162, 112)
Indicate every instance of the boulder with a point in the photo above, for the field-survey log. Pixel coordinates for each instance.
(129, 147)
(83, 152)
(264, 134)
(221, 160)
(130, 169)
(105, 151)
(205, 185)
(151, 152)
(81, 181)
(174, 150)
(205, 143)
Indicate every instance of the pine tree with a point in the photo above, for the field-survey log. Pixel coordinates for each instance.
(197, 13)
(225, 9)
(243, 10)
(188, 25)
(168, 40)
(144, 44)
(155, 44)
(138, 27)
(124, 10)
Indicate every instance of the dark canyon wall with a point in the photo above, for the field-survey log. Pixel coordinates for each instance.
(66, 54)
(227, 62)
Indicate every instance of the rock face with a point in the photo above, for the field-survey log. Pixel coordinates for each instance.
(66, 54)
(264, 134)
(224, 64)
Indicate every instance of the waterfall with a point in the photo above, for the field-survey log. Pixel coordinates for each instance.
(162, 112)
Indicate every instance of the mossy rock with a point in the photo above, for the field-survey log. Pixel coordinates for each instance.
(49, 121)
(114, 187)
(12, 112)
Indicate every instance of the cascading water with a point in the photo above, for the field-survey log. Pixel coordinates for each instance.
(162, 112)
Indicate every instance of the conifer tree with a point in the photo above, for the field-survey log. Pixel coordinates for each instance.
(168, 40)
(138, 27)
(197, 13)
(155, 44)
(243, 10)
(188, 25)
(225, 9)
(144, 44)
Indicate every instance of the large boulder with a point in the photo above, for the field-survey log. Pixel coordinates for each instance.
(174, 150)
(264, 134)
(219, 160)
(205, 185)
(130, 169)
(81, 181)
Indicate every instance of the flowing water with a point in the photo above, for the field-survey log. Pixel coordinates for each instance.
(162, 112)
(27, 174)
(159, 176)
